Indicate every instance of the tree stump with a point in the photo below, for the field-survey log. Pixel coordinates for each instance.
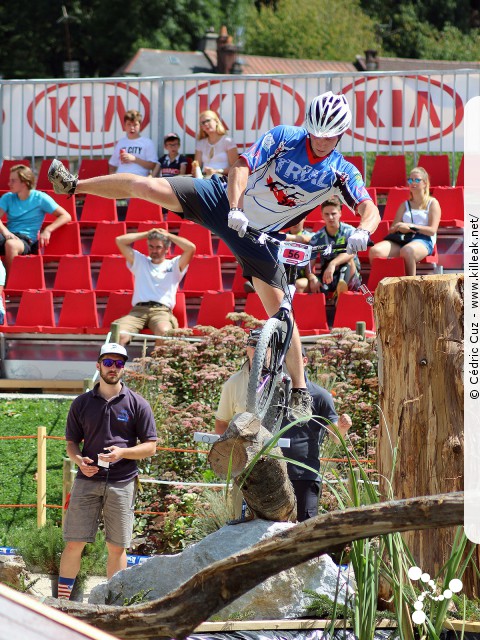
(266, 487)
(419, 324)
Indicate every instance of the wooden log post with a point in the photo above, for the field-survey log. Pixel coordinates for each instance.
(419, 324)
(266, 487)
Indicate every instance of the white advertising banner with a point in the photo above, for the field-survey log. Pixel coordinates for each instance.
(391, 113)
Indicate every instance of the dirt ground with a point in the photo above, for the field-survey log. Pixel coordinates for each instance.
(43, 588)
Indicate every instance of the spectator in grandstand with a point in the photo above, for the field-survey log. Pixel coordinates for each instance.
(305, 439)
(413, 232)
(215, 152)
(133, 153)
(172, 163)
(339, 271)
(25, 208)
(3, 276)
(117, 428)
(156, 281)
(267, 190)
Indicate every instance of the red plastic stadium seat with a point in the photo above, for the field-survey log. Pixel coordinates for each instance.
(118, 305)
(97, 209)
(26, 272)
(254, 307)
(451, 201)
(139, 210)
(388, 172)
(73, 273)
(67, 202)
(201, 238)
(63, 241)
(114, 275)
(5, 170)
(203, 273)
(43, 183)
(385, 268)
(93, 167)
(460, 181)
(103, 243)
(394, 200)
(180, 310)
(352, 307)
(214, 307)
(437, 169)
(238, 289)
(224, 252)
(357, 161)
(310, 314)
(35, 312)
(79, 311)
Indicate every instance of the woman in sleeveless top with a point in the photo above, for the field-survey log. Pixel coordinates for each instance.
(419, 215)
(215, 151)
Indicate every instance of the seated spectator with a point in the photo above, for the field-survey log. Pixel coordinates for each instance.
(25, 208)
(156, 281)
(339, 271)
(3, 275)
(215, 151)
(171, 163)
(413, 232)
(133, 153)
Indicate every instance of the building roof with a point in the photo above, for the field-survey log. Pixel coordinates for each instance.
(411, 64)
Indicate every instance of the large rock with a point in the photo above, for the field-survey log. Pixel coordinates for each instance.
(281, 596)
(13, 572)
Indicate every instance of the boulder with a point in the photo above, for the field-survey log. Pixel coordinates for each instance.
(13, 572)
(281, 596)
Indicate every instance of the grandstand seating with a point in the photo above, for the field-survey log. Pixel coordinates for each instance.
(310, 314)
(351, 308)
(224, 252)
(385, 268)
(43, 183)
(437, 168)
(139, 210)
(103, 243)
(5, 170)
(35, 312)
(67, 202)
(114, 275)
(79, 311)
(93, 167)
(451, 200)
(214, 307)
(119, 304)
(73, 273)
(97, 209)
(395, 198)
(203, 273)
(238, 283)
(357, 161)
(200, 236)
(64, 240)
(388, 172)
(26, 272)
(254, 307)
(460, 181)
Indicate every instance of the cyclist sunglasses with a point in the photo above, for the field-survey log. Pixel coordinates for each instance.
(410, 180)
(251, 343)
(108, 362)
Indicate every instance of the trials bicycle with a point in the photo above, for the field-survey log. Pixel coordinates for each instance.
(269, 384)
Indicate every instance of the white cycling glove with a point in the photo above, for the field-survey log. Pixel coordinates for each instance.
(238, 220)
(358, 241)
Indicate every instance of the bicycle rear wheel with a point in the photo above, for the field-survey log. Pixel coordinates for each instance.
(265, 373)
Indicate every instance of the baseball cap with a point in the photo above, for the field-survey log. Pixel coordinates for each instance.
(171, 136)
(111, 348)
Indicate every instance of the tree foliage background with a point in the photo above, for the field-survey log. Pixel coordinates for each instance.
(102, 36)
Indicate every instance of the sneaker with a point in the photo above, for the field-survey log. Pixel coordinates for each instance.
(300, 405)
(63, 181)
(342, 287)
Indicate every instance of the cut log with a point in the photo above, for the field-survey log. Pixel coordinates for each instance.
(177, 615)
(419, 324)
(265, 486)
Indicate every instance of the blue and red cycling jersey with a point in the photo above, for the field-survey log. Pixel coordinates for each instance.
(287, 181)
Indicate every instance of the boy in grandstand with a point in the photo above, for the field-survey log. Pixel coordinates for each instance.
(274, 184)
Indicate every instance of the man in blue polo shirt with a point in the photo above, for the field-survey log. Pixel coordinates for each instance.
(117, 428)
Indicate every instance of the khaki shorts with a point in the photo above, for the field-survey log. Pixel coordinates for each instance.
(141, 317)
(87, 501)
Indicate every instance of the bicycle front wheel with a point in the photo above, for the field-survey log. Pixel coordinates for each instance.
(265, 372)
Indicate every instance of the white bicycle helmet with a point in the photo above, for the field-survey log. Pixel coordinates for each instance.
(328, 115)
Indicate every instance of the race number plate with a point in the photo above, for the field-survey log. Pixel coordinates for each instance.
(294, 253)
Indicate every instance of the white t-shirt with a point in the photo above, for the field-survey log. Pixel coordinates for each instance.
(141, 147)
(233, 398)
(155, 282)
(215, 155)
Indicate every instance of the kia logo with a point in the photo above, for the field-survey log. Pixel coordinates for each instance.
(256, 104)
(402, 112)
(64, 113)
